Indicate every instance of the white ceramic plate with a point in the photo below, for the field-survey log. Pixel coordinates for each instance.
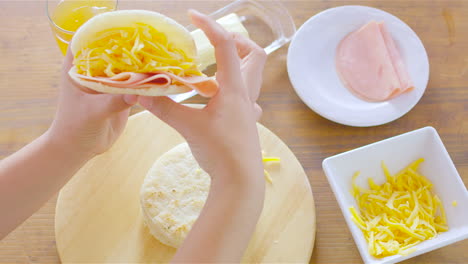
(311, 66)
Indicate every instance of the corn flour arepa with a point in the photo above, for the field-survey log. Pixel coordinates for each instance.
(173, 194)
(137, 52)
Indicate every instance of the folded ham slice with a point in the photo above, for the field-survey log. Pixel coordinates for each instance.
(370, 65)
(206, 86)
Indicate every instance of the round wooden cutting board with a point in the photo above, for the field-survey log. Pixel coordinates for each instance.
(98, 217)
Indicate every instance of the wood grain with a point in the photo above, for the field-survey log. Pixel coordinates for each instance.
(30, 65)
(107, 190)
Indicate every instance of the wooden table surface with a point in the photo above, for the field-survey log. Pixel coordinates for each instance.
(30, 63)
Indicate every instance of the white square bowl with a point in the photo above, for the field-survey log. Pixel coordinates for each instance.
(397, 152)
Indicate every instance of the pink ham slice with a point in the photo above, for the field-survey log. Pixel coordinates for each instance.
(370, 65)
(405, 80)
(206, 86)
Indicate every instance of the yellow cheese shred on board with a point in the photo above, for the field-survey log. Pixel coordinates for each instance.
(268, 161)
(398, 214)
(139, 49)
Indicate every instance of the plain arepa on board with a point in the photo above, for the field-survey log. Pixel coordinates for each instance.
(173, 194)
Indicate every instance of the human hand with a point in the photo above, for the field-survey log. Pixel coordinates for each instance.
(223, 135)
(86, 121)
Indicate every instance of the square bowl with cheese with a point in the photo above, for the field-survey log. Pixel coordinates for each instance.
(401, 197)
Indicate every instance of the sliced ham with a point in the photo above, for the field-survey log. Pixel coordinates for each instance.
(370, 65)
(206, 86)
(397, 61)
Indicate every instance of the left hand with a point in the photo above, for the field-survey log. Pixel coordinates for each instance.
(87, 121)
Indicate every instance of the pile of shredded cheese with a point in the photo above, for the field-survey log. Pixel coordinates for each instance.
(139, 49)
(267, 161)
(398, 214)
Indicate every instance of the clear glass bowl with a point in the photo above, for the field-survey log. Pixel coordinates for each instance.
(269, 24)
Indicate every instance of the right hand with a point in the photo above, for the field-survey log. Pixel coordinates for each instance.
(223, 135)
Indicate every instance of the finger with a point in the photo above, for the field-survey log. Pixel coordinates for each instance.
(178, 116)
(253, 79)
(246, 46)
(258, 111)
(253, 63)
(227, 60)
(120, 119)
(114, 103)
(78, 87)
(68, 62)
(130, 99)
(84, 89)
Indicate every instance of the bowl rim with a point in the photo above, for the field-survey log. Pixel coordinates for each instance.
(356, 232)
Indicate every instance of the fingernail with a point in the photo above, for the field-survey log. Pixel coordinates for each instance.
(130, 99)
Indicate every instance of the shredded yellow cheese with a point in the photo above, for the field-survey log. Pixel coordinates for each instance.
(268, 176)
(454, 203)
(268, 161)
(139, 49)
(398, 214)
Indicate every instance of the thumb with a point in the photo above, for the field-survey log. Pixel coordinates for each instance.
(258, 111)
(174, 114)
(68, 61)
(114, 103)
